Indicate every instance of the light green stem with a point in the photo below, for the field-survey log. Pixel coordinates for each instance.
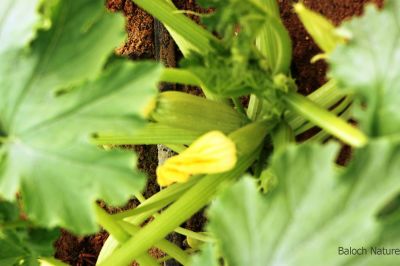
(152, 133)
(183, 208)
(148, 208)
(179, 76)
(172, 192)
(247, 140)
(254, 108)
(326, 96)
(108, 223)
(178, 148)
(164, 245)
(195, 235)
(326, 120)
(322, 135)
(344, 105)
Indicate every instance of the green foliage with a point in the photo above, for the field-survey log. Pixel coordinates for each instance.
(236, 67)
(292, 222)
(55, 94)
(368, 65)
(16, 33)
(61, 93)
(207, 256)
(22, 245)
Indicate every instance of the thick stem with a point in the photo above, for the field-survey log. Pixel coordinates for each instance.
(164, 245)
(172, 192)
(112, 227)
(326, 120)
(247, 140)
(182, 209)
(338, 110)
(152, 133)
(326, 96)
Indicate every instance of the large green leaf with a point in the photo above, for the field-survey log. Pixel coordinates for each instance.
(368, 65)
(314, 210)
(54, 96)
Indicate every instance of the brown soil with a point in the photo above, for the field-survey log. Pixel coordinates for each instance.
(309, 76)
(147, 39)
(139, 27)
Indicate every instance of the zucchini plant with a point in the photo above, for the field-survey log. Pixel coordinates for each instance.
(66, 104)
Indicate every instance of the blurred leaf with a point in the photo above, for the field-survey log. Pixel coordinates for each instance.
(368, 65)
(53, 97)
(313, 210)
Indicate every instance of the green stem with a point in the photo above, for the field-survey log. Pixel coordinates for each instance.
(182, 76)
(157, 206)
(178, 148)
(148, 208)
(282, 136)
(169, 248)
(326, 120)
(238, 105)
(326, 96)
(140, 197)
(254, 108)
(322, 135)
(195, 235)
(152, 133)
(172, 192)
(164, 259)
(247, 140)
(344, 105)
(272, 6)
(108, 223)
(192, 33)
(187, 205)
(179, 76)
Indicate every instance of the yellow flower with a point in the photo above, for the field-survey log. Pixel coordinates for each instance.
(211, 153)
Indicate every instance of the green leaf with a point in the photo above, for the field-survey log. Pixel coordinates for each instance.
(314, 210)
(236, 219)
(74, 49)
(18, 24)
(26, 245)
(22, 245)
(53, 99)
(368, 66)
(206, 256)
